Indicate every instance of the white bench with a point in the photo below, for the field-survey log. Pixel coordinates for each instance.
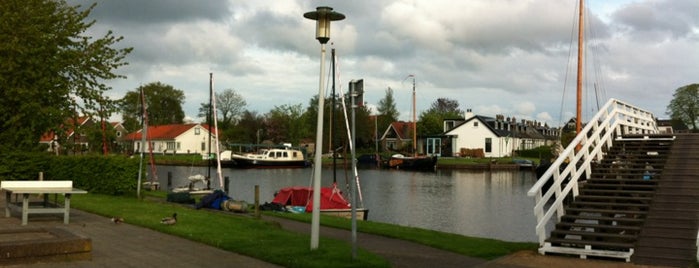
(26, 188)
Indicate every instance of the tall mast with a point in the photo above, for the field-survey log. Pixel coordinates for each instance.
(414, 121)
(578, 110)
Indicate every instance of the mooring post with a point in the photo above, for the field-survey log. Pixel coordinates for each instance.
(257, 201)
(169, 180)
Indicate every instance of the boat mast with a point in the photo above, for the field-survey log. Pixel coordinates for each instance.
(414, 120)
(208, 121)
(578, 110)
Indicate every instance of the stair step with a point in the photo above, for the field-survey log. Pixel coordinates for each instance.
(607, 211)
(598, 227)
(615, 198)
(593, 244)
(662, 262)
(618, 220)
(651, 231)
(609, 205)
(595, 236)
(616, 192)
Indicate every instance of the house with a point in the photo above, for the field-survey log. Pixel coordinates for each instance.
(484, 136)
(70, 139)
(175, 139)
(397, 136)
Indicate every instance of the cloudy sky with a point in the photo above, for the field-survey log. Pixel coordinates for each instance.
(492, 56)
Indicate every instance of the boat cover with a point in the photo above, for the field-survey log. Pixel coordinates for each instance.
(330, 198)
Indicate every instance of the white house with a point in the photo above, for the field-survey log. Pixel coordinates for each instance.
(495, 137)
(175, 139)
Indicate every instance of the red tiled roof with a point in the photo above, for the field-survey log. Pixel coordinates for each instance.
(401, 128)
(164, 132)
(50, 136)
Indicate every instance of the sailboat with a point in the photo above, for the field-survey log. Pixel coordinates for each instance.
(414, 162)
(332, 201)
(194, 180)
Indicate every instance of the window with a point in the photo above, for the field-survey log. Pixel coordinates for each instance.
(118, 133)
(475, 124)
(170, 145)
(197, 131)
(391, 144)
(203, 146)
(488, 145)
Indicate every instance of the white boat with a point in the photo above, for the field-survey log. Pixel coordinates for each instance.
(198, 185)
(268, 158)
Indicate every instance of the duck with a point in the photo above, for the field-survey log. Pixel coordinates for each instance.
(169, 220)
(117, 220)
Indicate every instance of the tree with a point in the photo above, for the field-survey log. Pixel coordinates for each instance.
(283, 124)
(684, 105)
(249, 129)
(430, 121)
(387, 110)
(230, 106)
(164, 104)
(50, 69)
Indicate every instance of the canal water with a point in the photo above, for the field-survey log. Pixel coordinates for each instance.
(489, 204)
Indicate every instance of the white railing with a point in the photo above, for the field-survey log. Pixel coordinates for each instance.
(613, 120)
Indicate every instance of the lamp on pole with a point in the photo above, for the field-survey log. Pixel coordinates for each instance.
(323, 16)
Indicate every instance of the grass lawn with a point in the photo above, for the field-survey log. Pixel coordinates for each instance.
(267, 241)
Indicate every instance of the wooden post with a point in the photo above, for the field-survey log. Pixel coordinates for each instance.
(169, 180)
(257, 201)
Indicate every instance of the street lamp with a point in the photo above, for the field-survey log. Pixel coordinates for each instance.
(323, 16)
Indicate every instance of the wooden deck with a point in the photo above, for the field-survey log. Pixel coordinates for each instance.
(669, 235)
(641, 200)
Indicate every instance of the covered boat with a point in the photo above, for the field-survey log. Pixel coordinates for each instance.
(331, 201)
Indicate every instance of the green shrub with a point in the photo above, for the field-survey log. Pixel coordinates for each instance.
(114, 175)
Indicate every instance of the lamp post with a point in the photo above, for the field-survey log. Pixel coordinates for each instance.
(323, 16)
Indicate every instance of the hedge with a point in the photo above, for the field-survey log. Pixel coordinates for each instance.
(113, 175)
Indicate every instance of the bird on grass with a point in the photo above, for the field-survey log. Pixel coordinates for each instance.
(169, 220)
(117, 220)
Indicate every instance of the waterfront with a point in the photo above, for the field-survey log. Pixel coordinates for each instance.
(473, 203)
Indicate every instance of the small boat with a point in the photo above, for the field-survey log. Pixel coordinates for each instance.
(425, 163)
(198, 185)
(415, 162)
(286, 157)
(332, 203)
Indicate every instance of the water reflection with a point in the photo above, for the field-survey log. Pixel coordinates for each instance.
(474, 203)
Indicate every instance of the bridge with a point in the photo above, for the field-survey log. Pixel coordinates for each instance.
(622, 190)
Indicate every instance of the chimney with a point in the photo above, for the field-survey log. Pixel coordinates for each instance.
(468, 114)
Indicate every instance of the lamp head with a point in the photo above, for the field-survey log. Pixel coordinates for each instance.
(323, 16)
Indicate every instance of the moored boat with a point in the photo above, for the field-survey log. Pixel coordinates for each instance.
(399, 161)
(286, 157)
(332, 203)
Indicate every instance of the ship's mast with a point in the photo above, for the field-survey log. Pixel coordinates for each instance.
(578, 110)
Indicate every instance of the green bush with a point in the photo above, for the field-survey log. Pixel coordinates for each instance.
(114, 175)
(542, 152)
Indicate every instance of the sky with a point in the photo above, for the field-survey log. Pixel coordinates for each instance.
(515, 58)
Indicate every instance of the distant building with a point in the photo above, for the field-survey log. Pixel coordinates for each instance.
(174, 139)
(72, 139)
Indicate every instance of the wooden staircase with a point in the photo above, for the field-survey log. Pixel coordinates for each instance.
(607, 217)
(669, 235)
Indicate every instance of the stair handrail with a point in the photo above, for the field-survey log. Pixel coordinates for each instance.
(614, 119)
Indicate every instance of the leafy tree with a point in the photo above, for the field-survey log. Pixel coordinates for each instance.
(430, 121)
(164, 104)
(283, 124)
(50, 69)
(230, 106)
(387, 110)
(685, 105)
(249, 130)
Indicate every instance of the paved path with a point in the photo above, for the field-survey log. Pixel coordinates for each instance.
(125, 245)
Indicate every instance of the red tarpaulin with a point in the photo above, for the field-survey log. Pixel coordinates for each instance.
(330, 198)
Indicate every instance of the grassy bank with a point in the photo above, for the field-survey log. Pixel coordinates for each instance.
(267, 241)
